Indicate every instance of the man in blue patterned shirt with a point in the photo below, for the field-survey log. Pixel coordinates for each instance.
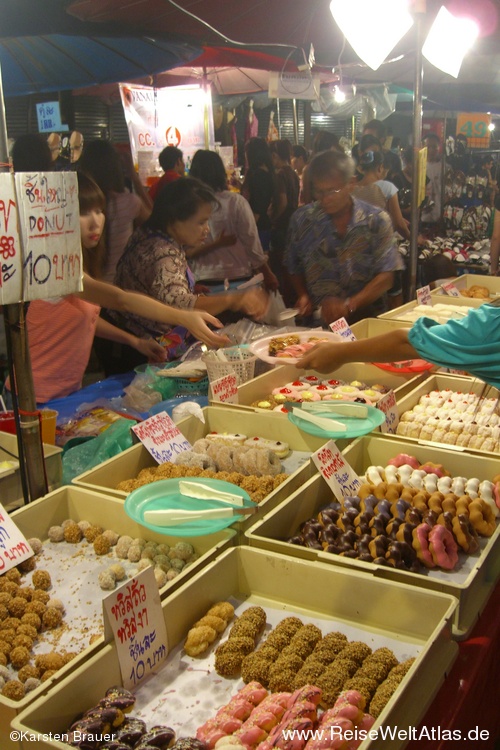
(341, 251)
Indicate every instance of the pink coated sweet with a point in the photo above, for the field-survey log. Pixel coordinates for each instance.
(252, 735)
(253, 692)
(305, 693)
(353, 697)
(295, 737)
(301, 710)
(404, 458)
(228, 723)
(366, 722)
(421, 536)
(443, 547)
(348, 711)
(496, 493)
(263, 719)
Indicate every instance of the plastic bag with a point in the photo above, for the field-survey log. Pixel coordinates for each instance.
(142, 393)
(115, 439)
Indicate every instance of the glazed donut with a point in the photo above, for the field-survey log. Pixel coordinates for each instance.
(200, 460)
(420, 501)
(404, 458)
(222, 454)
(420, 544)
(462, 504)
(391, 474)
(430, 483)
(365, 490)
(352, 501)
(393, 527)
(430, 517)
(393, 493)
(379, 546)
(444, 484)
(405, 532)
(384, 507)
(443, 547)
(373, 475)
(449, 504)
(486, 492)
(380, 489)
(465, 534)
(437, 469)
(446, 519)
(482, 518)
(435, 501)
(368, 503)
(328, 515)
(399, 508)
(403, 556)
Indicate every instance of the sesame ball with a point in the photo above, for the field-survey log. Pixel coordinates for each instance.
(73, 533)
(14, 690)
(134, 553)
(19, 657)
(39, 595)
(30, 684)
(92, 533)
(107, 580)
(41, 580)
(17, 606)
(35, 544)
(56, 534)
(161, 577)
(26, 566)
(101, 545)
(123, 545)
(52, 617)
(29, 670)
(111, 536)
(118, 571)
(13, 575)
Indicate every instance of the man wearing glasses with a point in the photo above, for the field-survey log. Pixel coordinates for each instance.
(341, 251)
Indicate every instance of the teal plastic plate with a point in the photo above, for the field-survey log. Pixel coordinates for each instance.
(355, 427)
(165, 494)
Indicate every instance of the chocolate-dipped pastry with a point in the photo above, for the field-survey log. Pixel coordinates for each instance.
(413, 515)
(379, 545)
(384, 507)
(352, 501)
(379, 523)
(405, 533)
(160, 737)
(327, 516)
(130, 731)
(430, 517)
(297, 539)
(119, 697)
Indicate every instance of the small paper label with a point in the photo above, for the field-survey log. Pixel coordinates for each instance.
(424, 295)
(450, 289)
(225, 389)
(388, 405)
(161, 437)
(341, 326)
(133, 617)
(340, 476)
(13, 546)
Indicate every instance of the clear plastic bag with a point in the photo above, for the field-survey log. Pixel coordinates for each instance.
(115, 439)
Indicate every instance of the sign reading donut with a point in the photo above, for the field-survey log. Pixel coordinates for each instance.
(13, 546)
(133, 616)
(339, 475)
(161, 437)
(44, 259)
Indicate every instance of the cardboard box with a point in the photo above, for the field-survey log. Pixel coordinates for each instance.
(273, 426)
(385, 612)
(492, 283)
(472, 587)
(438, 382)
(460, 302)
(11, 491)
(35, 519)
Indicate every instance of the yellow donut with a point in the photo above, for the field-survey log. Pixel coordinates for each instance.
(482, 518)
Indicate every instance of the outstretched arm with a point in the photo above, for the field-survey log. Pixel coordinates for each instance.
(151, 349)
(196, 321)
(389, 347)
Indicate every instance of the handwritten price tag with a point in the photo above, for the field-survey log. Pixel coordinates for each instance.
(340, 476)
(341, 326)
(161, 437)
(450, 289)
(424, 295)
(133, 617)
(13, 546)
(225, 389)
(388, 405)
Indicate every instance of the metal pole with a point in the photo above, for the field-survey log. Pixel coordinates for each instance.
(419, 11)
(295, 122)
(279, 118)
(206, 125)
(29, 441)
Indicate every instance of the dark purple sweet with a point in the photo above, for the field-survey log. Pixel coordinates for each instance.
(370, 502)
(365, 557)
(119, 697)
(189, 743)
(352, 501)
(448, 520)
(364, 542)
(330, 534)
(327, 516)
(430, 517)
(159, 737)
(349, 538)
(350, 553)
(297, 539)
(130, 731)
(311, 526)
(382, 561)
(393, 526)
(378, 524)
(384, 507)
(364, 518)
(413, 515)
(311, 541)
(115, 746)
(110, 716)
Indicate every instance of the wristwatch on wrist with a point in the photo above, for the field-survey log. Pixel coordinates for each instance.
(349, 305)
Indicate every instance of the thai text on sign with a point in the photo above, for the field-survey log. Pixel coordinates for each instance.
(334, 468)
(341, 327)
(134, 617)
(225, 389)
(13, 546)
(43, 211)
(388, 405)
(161, 437)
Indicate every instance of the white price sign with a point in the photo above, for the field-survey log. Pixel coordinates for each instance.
(388, 405)
(339, 475)
(161, 437)
(424, 295)
(134, 618)
(450, 289)
(225, 389)
(341, 327)
(13, 546)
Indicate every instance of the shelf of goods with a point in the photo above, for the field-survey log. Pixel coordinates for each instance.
(452, 308)
(472, 579)
(298, 465)
(75, 568)
(441, 410)
(186, 692)
(11, 491)
(489, 286)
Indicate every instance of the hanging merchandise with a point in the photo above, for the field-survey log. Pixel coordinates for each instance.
(272, 131)
(252, 124)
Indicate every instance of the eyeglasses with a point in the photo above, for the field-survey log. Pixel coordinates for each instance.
(320, 194)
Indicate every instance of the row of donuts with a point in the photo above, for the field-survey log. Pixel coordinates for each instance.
(313, 388)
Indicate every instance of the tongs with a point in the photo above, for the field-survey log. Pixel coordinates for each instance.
(195, 490)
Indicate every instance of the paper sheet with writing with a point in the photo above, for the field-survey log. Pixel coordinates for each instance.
(161, 437)
(40, 244)
(13, 545)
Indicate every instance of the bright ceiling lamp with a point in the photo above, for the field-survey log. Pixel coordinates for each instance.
(372, 28)
(448, 41)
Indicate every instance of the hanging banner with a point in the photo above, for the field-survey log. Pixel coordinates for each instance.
(475, 127)
(294, 85)
(44, 205)
(173, 116)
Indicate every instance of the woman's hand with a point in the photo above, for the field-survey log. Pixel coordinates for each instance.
(196, 321)
(304, 305)
(321, 358)
(253, 302)
(151, 349)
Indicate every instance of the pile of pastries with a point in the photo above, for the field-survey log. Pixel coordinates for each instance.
(314, 388)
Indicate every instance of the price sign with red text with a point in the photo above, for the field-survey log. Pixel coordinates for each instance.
(11, 262)
(424, 295)
(339, 475)
(450, 289)
(475, 126)
(388, 405)
(13, 546)
(341, 326)
(225, 389)
(161, 437)
(134, 618)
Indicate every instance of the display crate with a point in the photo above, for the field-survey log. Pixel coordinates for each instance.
(106, 476)
(471, 586)
(439, 382)
(76, 503)
(11, 490)
(467, 280)
(463, 304)
(409, 620)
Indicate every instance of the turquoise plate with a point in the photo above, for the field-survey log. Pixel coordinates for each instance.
(165, 494)
(355, 427)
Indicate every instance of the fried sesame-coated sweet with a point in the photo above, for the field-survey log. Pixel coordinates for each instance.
(14, 690)
(41, 580)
